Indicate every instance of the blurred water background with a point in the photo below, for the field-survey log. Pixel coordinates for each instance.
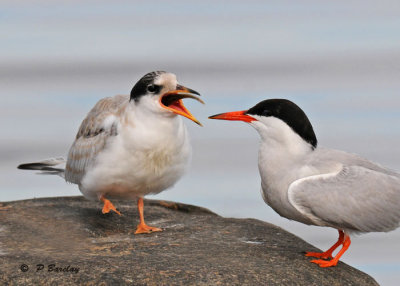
(339, 60)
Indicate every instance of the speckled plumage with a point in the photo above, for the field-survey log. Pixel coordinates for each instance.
(93, 135)
(128, 145)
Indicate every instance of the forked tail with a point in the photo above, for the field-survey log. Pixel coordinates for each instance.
(52, 166)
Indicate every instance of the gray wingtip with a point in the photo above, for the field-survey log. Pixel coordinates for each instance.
(32, 166)
(44, 165)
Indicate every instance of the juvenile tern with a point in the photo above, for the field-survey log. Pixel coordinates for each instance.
(130, 146)
(318, 186)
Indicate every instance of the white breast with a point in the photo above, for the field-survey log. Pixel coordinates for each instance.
(147, 156)
(277, 172)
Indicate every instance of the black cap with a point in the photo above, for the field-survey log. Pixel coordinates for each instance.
(140, 87)
(289, 113)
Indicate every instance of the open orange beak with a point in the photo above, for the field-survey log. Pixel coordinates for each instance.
(172, 101)
(234, 115)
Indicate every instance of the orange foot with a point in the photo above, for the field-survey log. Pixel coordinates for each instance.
(343, 240)
(325, 263)
(328, 254)
(143, 228)
(108, 206)
(323, 255)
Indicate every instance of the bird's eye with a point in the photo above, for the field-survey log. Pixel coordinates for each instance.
(151, 88)
(267, 112)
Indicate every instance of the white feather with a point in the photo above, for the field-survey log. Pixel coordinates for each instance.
(126, 148)
(324, 187)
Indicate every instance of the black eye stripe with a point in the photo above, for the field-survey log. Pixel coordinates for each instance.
(140, 88)
(153, 88)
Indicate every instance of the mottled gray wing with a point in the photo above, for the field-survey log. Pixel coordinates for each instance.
(97, 128)
(354, 199)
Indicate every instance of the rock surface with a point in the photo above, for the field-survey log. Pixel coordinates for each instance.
(72, 238)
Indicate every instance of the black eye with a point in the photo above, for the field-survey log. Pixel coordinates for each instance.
(152, 88)
(266, 112)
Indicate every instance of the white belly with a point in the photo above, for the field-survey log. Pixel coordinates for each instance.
(128, 168)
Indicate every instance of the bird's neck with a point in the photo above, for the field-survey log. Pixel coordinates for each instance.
(285, 147)
(281, 149)
(156, 129)
(279, 140)
(275, 158)
(280, 161)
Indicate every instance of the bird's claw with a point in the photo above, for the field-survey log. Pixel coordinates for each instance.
(325, 263)
(143, 228)
(108, 206)
(322, 255)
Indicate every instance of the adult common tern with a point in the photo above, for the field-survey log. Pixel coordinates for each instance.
(318, 186)
(130, 146)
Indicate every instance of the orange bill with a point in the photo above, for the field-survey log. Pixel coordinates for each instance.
(172, 101)
(234, 115)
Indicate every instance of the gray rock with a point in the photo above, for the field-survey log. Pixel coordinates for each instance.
(196, 247)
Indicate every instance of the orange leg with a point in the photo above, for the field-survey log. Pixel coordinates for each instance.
(108, 206)
(142, 227)
(328, 254)
(335, 260)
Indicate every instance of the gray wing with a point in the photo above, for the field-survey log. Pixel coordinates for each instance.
(97, 128)
(356, 199)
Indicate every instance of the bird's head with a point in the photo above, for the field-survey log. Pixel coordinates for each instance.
(278, 118)
(160, 92)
